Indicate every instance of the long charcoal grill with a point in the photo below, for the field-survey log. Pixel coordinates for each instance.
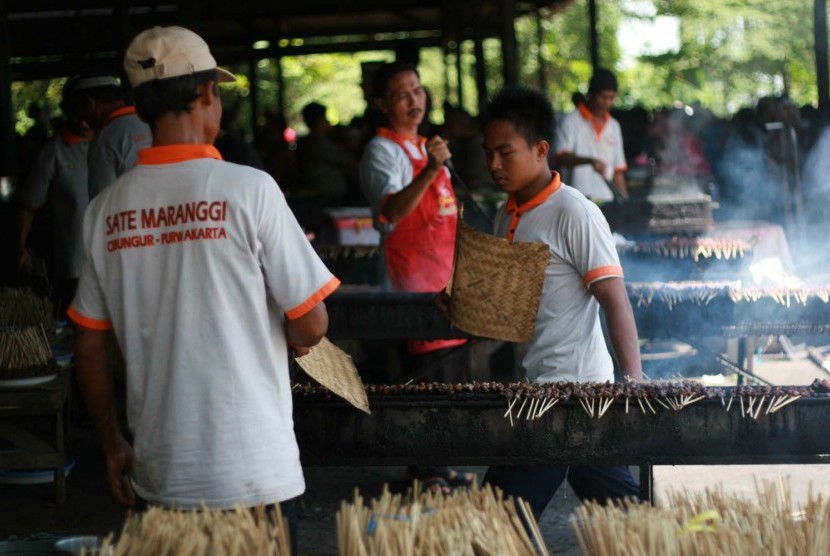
(471, 429)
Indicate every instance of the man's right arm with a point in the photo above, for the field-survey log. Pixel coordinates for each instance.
(570, 160)
(95, 383)
(303, 333)
(398, 206)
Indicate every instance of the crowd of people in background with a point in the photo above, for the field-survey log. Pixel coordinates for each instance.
(755, 163)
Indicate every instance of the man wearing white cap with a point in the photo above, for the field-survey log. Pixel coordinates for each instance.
(207, 280)
(119, 132)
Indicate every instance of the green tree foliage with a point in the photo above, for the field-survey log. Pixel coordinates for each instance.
(731, 53)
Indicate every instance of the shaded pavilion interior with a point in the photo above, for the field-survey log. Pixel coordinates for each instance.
(41, 39)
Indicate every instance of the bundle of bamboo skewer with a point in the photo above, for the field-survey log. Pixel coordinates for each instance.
(22, 307)
(708, 523)
(466, 522)
(25, 352)
(26, 330)
(243, 531)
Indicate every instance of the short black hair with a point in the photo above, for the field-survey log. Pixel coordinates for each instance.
(384, 74)
(312, 112)
(175, 94)
(527, 109)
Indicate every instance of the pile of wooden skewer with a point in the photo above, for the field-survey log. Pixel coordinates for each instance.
(466, 522)
(26, 324)
(243, 531)
(23, 307)
(708, 523)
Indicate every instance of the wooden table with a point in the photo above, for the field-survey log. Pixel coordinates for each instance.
(17, 405)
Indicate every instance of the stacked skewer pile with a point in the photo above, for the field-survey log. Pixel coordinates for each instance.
(477, 521)
(159, 532)
(26, 325)
(708, 523)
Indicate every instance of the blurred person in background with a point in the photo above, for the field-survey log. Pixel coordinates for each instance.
(59, 179)
(589, 143)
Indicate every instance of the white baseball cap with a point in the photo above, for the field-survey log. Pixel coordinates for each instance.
(165, 52)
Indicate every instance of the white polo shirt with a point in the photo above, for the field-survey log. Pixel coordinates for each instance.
(194, 261)
(59, 176)
(568, 343)
(578, 135)
(114, 149)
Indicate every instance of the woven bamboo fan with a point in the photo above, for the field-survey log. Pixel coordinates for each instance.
(496, 285)
(333, 368)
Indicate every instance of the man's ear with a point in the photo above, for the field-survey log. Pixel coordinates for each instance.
(381, 104)
(208, 92)
(542, 149)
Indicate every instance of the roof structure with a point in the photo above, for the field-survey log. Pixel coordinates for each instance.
(48, 38)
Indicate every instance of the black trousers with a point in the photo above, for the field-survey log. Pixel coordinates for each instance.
(536, 485)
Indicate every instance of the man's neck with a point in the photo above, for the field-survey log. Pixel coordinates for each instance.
(538, 184)
(180, 129)
(406, 131)
(597, 111)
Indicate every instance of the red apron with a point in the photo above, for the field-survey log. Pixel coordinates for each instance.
(419, 250)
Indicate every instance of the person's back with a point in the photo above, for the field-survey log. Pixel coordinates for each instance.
(187, 303)
(207, 280)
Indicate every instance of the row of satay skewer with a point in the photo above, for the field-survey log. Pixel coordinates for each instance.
(532, 401)
(671, 296)
(696, 248)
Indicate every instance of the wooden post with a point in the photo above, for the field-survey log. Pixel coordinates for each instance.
(540, 45)
(820, 45)
(481, 66)
(459, 71)
(253, 60)
(8, 159)
(509, 50)
(594, 34)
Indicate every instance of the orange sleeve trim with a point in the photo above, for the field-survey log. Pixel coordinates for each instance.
(602, 272)
(87, 322)
(312, 301)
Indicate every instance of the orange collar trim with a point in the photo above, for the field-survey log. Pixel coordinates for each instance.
(117, 113)
(171, 154)
(392, 135)
(70, 138)
(593, 120)
(551, 188)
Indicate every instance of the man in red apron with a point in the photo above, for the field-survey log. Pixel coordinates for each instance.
(404, 178)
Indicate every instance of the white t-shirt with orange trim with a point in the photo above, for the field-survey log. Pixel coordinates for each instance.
(576, 134)
(114, 149)
(194, 261)
(568, 343)
(59, 176)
